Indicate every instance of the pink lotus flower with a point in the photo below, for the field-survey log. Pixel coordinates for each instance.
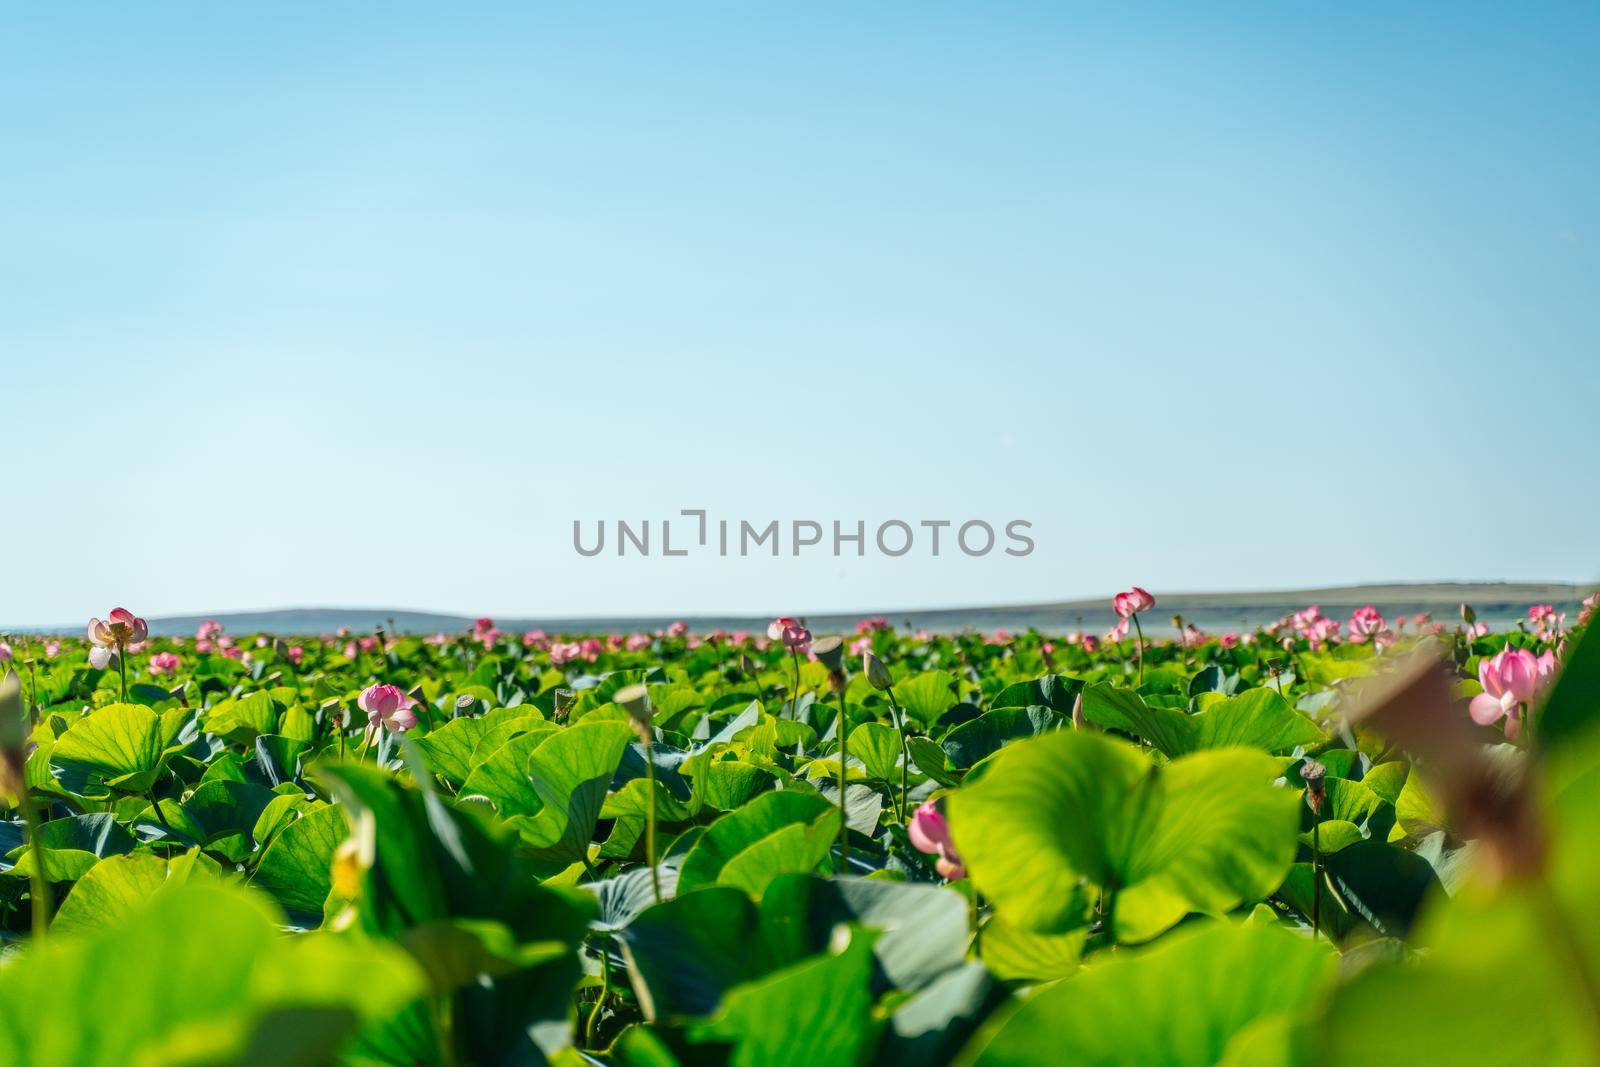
(1229, 640)
(52, 649)
(1132, 602)
(872, 625)
(387, 706)
(121, 629)
(1089, 643)
(5, 652)
(296, 654)
(209, 630)
(637, 642)
(536, 639)
(922, 636)
(930, 833)
(998, 638)
(1510, 680)
(678, 629)
(163, 663)
(861, 645)
(564, 652)
(1118, 631)
(1364, 622)
(795, 638)
(590, 649)
(483, 624)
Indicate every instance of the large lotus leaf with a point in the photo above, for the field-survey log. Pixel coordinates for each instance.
(685, 953)
(120, 885)
(776, 833)
(1260, 719)
(933, 761)
(297, 868)
(1014, 954)
(1180, 1003)
(814, 1012)
(552, 786)
(927, 696)
(120, 746)
(242, 719)
(221, 815)
(878, 748)
(976, 740)
(1204, 833)
(924, 926)
(724, 785)
(73, 846)
(199, 974)
(1053, 691)
(1171, 731)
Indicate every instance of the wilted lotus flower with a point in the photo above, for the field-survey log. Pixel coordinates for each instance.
(387, 705)
(930, 833)
(877, 672)
(1132, 602)
(1511, 678)
(163, 663)
(121, 629)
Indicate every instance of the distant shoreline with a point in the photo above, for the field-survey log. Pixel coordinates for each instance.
(1497, 603)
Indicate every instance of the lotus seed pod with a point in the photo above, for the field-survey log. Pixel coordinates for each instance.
(829, 652)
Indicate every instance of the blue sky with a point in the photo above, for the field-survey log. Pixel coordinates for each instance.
(364, 304)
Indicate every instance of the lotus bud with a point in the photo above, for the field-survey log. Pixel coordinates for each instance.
(635, 700)
(877, 672)
(1312, 774)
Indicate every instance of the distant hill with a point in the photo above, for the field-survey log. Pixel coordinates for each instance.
(1498, 603)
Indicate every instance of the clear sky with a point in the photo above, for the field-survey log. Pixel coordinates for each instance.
(364, 304)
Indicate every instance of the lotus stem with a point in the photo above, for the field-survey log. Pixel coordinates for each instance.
(650, 825)
(1139, 645)
(898, 714)
(844, 760)
(40, 885)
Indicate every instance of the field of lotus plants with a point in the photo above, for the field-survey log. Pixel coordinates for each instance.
(1328, 841)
